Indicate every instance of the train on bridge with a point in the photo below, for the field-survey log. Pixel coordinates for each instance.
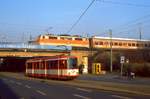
(94, 42)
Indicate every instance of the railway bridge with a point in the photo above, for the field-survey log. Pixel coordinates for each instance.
(14, 55)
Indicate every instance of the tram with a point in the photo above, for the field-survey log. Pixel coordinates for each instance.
(55, 67)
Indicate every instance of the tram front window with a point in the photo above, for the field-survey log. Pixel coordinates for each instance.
(72, 63)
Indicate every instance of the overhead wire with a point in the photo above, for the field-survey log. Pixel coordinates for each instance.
(124, 3)
(77, 21)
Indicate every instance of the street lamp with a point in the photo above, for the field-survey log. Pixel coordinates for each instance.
(110, 33)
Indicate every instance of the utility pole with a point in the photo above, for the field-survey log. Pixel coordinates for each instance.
(110, 34)
(140, 30)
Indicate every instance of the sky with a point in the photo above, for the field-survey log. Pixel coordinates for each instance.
(23, 19)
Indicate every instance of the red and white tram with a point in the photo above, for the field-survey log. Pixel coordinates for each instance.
(57, 67)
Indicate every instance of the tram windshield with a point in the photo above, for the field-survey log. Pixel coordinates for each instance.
(72, 63)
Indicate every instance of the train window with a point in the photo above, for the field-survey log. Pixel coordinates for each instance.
(101, 43)
(129, 44)
(52, 37)
(116, 44)
(62, 38)
(43, 37)
(137, 45)
(133, 44)
(106, 43)
(72, 63)
(96, 43)
(69, 38)
(124, 44)
(120, 44)
(80, 39)
(146, 45)
(141, 45)
(111, 43)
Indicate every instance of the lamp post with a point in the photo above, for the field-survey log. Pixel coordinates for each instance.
(110, 34)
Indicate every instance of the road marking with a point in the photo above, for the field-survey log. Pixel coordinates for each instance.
(4, 79)
(27, 86)
(40, 92)
(83, 97)
(12, 81)
(18, 83)
(86, 90)
(22, 98)
(121, 97)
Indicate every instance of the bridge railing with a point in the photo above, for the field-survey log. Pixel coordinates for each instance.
(18, 45)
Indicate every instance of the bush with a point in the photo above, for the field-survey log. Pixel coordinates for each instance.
(139, 69)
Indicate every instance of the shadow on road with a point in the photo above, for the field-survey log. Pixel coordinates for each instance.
(6, 92)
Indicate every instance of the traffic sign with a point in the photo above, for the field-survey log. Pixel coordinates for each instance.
(122, 59)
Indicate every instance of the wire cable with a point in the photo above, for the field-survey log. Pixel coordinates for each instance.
(80, 17)
(125, 3)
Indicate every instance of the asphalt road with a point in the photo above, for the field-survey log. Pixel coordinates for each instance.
(115, 79)
(11, 88)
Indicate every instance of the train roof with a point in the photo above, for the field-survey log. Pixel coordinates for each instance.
(113, 38)
(63, 35)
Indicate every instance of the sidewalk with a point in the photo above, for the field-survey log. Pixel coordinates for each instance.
(115, 78)
(102, 85)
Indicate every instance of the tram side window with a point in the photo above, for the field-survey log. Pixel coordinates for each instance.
(48, 64)
(29, 66)
(72, 63)
(63, 64)
(54, 64)
(41, 65)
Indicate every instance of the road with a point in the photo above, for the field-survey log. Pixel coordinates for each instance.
(12, 88)
(115, 79)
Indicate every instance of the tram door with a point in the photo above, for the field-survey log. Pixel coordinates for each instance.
(62, 67)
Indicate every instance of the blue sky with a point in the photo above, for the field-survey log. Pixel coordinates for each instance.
(21, 18)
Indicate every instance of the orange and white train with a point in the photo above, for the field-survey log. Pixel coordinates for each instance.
(49, 39)
(119, 43)
(55, 67)
(93, 42)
